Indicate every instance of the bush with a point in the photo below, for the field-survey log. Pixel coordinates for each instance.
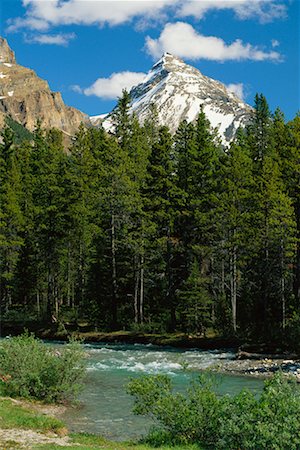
(201, 417)
(31, 369)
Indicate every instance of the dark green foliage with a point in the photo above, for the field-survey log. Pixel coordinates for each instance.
(31, 369)
(195, 305)
(21, 133)
(202, 417)
(148, 231)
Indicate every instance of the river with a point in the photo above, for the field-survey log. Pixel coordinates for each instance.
(105, 408)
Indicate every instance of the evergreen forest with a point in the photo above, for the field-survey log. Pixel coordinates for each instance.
(145, 230)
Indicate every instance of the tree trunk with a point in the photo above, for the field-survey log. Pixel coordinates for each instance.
(81, 273)
(56, 303)
(142, 290)
(69, 276)
(297, 262)
(282, 283)
(223, 268)
(170, 293)
(136, 290)
(233, 286)
(38, 306)
(114, 306)
(49, 295)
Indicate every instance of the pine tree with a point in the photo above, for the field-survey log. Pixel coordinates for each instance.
(198, 166)
(233, 217)
(138, 233)
(196, 302)
(47, 169)
(11, 218)
(288, 147)
(82, 173)
(273, 223)
(161, 195)
(260, 135)
(122, 119)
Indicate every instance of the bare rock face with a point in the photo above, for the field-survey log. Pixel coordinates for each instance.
(178, 91)
(6, 53)
(27, 98)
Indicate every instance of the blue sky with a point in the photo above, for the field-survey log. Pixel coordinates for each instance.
(251, 45)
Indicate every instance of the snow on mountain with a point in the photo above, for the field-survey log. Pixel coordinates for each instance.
(178, 90)
(98, 119)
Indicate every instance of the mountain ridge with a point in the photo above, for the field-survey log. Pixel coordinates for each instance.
(26, 98)
(178, 90)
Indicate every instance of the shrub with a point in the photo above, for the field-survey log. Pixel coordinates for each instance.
(201, 417)
(30, 368)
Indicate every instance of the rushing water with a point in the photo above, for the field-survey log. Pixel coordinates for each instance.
(105, 408)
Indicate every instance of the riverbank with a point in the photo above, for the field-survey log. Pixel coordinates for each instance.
(252, 359)
(261, 367)
(63, 332)
(34, 425)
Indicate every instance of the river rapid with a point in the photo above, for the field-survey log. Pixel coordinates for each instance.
(105, 408)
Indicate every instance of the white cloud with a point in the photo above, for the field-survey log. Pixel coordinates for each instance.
(264, 10)
(29, 22)
(76, 88)
(112, 87)
(42, 14)
(275, 43)
(237, 89)
(184, 41)
(51, 39)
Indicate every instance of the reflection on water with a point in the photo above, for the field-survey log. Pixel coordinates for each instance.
(105, 408)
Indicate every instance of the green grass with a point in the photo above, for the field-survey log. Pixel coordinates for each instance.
(14, 416)
(91, 442)
(19, 417)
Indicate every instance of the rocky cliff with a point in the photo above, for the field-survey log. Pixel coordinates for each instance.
(26, 98)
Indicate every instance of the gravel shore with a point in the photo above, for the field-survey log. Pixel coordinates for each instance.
(263, 368)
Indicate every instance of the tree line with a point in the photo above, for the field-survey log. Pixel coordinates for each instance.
(141, 229)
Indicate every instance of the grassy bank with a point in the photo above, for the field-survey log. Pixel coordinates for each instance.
(247, 349)
(86, 333)
(26, 425)
(17, 414)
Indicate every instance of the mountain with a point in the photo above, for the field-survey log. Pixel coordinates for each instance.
(26, 98)
(178, 90)
(175, 88)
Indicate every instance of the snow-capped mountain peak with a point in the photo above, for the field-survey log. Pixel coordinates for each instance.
(178, 91)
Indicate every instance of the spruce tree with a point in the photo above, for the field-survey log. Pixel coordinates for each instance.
(11, 217)
(273, 222)
(161, 195)
(234, 218)
(195, 302)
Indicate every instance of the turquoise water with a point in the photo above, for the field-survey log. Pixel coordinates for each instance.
(105, 408)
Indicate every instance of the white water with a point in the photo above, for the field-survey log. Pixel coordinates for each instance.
(106, 408)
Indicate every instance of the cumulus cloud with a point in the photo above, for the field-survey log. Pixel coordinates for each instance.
(264, 10)
(237, 89)
(184, 41)
(51, 39)
(112, 87)
(42, 14)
